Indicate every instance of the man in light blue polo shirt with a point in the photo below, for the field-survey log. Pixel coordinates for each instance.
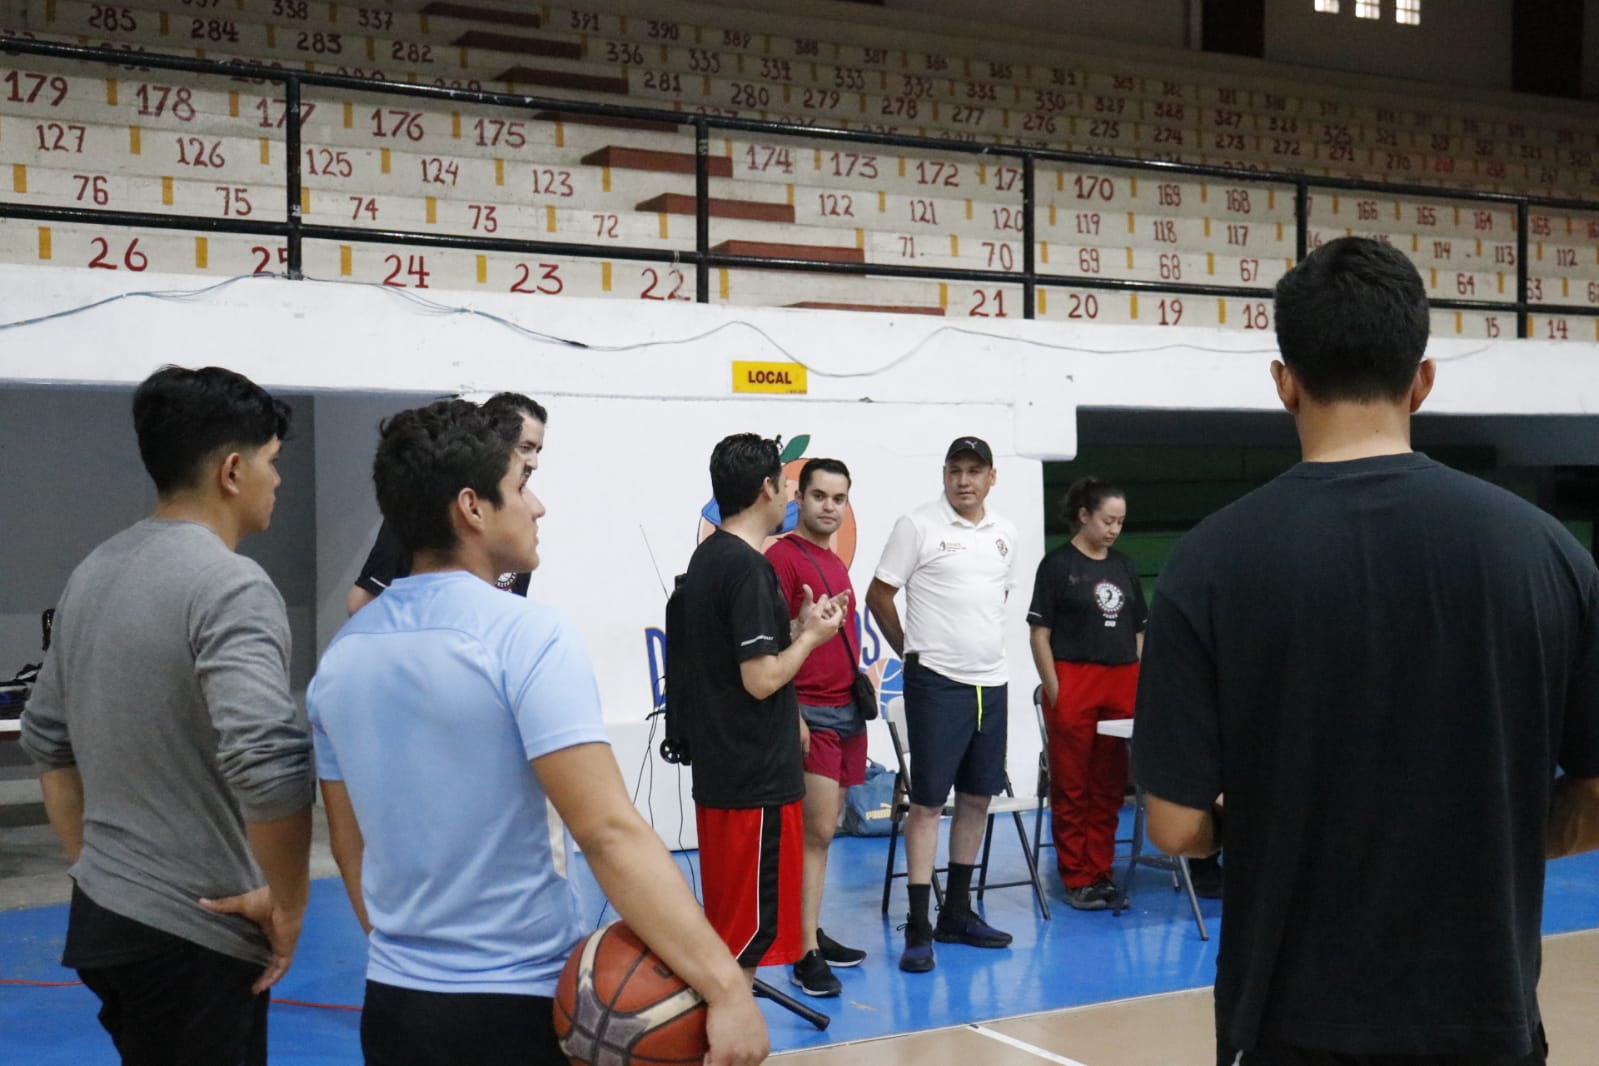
(458, 736)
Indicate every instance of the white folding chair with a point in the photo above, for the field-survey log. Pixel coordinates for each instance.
(1009, 803)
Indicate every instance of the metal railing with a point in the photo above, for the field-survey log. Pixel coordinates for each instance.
(294, 231)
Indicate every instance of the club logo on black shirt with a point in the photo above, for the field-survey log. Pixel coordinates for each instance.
(1110, 600)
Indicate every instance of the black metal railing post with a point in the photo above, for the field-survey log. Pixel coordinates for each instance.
(292, 177)
(1029, 239)
(1301, 221)
(1523, 305)
(702, 210)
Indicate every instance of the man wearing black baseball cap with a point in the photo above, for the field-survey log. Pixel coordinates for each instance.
(955, 559)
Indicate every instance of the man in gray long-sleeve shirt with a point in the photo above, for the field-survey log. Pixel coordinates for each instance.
(177, 768)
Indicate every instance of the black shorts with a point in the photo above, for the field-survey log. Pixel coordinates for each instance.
(410, 1027)
(957, 736)
(186, 1006)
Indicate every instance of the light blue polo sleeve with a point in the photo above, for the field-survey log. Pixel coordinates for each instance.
(549, 683)
(327, 763)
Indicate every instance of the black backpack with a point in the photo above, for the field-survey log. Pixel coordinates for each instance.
(675, 745)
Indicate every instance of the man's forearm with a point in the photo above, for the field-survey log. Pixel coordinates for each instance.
(886, 615)
(765, 675)
(282, 848)
(1573, 816)
(63, 805)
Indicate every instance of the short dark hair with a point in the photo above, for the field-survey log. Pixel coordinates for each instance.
(1352, 321)
(427, 455)
(516, 403)
(1087, 492)
(183, 417)
(821, 466)
(740, 465)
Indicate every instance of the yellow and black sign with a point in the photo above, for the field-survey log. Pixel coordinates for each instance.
(769, 377)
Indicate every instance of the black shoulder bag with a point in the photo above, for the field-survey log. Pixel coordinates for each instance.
(862, 689)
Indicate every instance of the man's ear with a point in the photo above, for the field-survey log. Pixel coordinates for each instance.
(227, 473)
(1421, 385)
(466, 511)
(1288, 390)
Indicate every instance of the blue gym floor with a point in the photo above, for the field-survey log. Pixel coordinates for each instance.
(1077, 958)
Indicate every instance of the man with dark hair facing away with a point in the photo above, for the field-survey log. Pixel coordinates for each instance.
(832, 727)
(1381, 664)
(956, 560)
(459, 738)
(743, 649)
(177, 769)
(388, 560)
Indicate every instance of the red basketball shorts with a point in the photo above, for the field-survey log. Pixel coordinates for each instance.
(750, 862)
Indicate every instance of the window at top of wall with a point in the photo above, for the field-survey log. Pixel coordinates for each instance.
(1368, 9)
(1327, 7)
(1407, 12)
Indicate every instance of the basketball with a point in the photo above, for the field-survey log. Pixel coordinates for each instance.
(617, 1004)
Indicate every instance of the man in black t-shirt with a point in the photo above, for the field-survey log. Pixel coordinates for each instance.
(1381, 663)
(742, 716)
(388, 561)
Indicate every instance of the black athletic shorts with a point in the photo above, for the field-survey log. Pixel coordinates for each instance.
(410, 1027)
(957, 736)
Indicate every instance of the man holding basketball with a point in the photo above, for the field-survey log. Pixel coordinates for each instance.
(1381, 663)
(456, 730)
(743, 650)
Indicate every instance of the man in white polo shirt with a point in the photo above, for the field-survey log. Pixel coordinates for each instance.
(955, 559)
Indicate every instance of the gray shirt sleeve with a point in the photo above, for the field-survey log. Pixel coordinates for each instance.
(44, 724)
(239, 631)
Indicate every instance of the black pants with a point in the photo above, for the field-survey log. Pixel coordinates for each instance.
(1286, 1055)
(186, 1006)
(405, 1027)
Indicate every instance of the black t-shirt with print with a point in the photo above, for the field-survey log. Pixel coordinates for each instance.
(1381, 663)
(388, 561)
(1093, 608)
(746, 751)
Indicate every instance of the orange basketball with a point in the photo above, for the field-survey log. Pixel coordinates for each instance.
(617, 1004)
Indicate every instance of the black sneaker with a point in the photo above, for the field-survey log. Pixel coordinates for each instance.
(836, 954)
(967, 928)
(1089, 897)
(813, 977)
(918, 954)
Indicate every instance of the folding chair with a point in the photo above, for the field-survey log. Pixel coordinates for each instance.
(1040, 842)
(1009, 803)
(1176, 865)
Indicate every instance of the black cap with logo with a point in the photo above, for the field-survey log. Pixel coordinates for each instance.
(975, 445)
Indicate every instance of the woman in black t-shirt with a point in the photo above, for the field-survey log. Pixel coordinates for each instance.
(1087, 619)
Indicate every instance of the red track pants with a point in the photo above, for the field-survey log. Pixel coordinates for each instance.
(1087, 771)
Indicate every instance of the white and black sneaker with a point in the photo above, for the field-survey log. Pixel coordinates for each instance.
(812, 976)
(836, 954)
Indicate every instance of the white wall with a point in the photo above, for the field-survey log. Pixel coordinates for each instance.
(1459, 42)
(624, 470)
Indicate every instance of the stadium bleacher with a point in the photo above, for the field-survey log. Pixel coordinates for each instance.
(78, 135)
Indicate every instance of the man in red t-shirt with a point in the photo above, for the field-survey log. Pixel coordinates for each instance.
(833, 729)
